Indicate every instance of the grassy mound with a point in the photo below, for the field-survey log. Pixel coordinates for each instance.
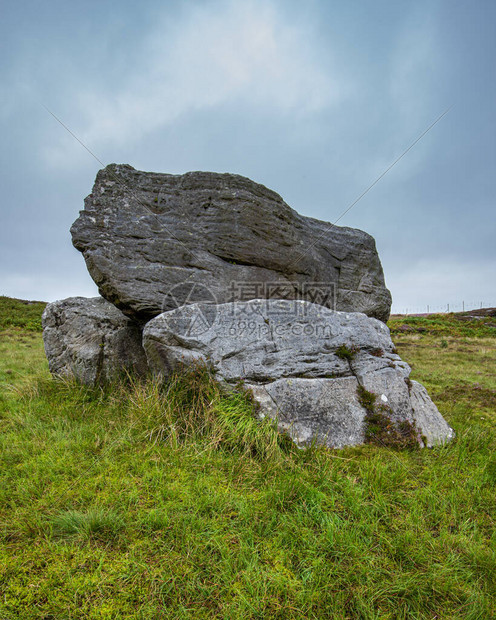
(18, 313)
(148, 500)
(474, 325)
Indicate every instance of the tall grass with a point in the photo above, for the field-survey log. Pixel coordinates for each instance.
(193, 407)
(93, 524)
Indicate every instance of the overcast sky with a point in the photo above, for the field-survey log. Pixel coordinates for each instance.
(313, 99)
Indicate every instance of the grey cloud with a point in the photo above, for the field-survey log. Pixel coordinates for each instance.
(315, 102)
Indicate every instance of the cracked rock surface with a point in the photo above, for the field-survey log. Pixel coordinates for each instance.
(91, 340)
(153, 242)
(303, 362)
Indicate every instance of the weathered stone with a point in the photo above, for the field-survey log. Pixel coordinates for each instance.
(392, 391)
(303, 362)
(427, 417)
(325, 410)
(218, 237)
(91, 340)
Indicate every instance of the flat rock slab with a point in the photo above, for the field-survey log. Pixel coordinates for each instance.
(303, 362)
(153, 242)
(91, 340)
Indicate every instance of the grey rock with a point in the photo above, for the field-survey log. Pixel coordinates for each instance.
(324, 410)
(303, 363)
(91, 340)
(153, 242)
(427, 418)
(262, 340)
(392, 391)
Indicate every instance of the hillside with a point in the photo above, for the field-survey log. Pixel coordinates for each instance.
(20, 313)
(169, 501)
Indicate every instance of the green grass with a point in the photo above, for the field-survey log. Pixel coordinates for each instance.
(17, 313)
(93, 524)
(452, 324)
(170, 501)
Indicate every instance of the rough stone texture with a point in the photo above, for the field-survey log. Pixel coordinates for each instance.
(302, 361)
(433, 426)
(143, 233)
(91, 340)
(327, 410)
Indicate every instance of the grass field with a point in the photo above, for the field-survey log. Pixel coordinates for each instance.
(169, 501)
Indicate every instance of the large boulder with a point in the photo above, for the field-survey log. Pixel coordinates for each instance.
(91, 340)
(330, 377)
(153, 242)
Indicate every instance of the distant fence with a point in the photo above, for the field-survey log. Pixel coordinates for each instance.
(461, 306)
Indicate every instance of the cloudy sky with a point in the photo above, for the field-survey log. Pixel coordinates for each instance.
(314, 99)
